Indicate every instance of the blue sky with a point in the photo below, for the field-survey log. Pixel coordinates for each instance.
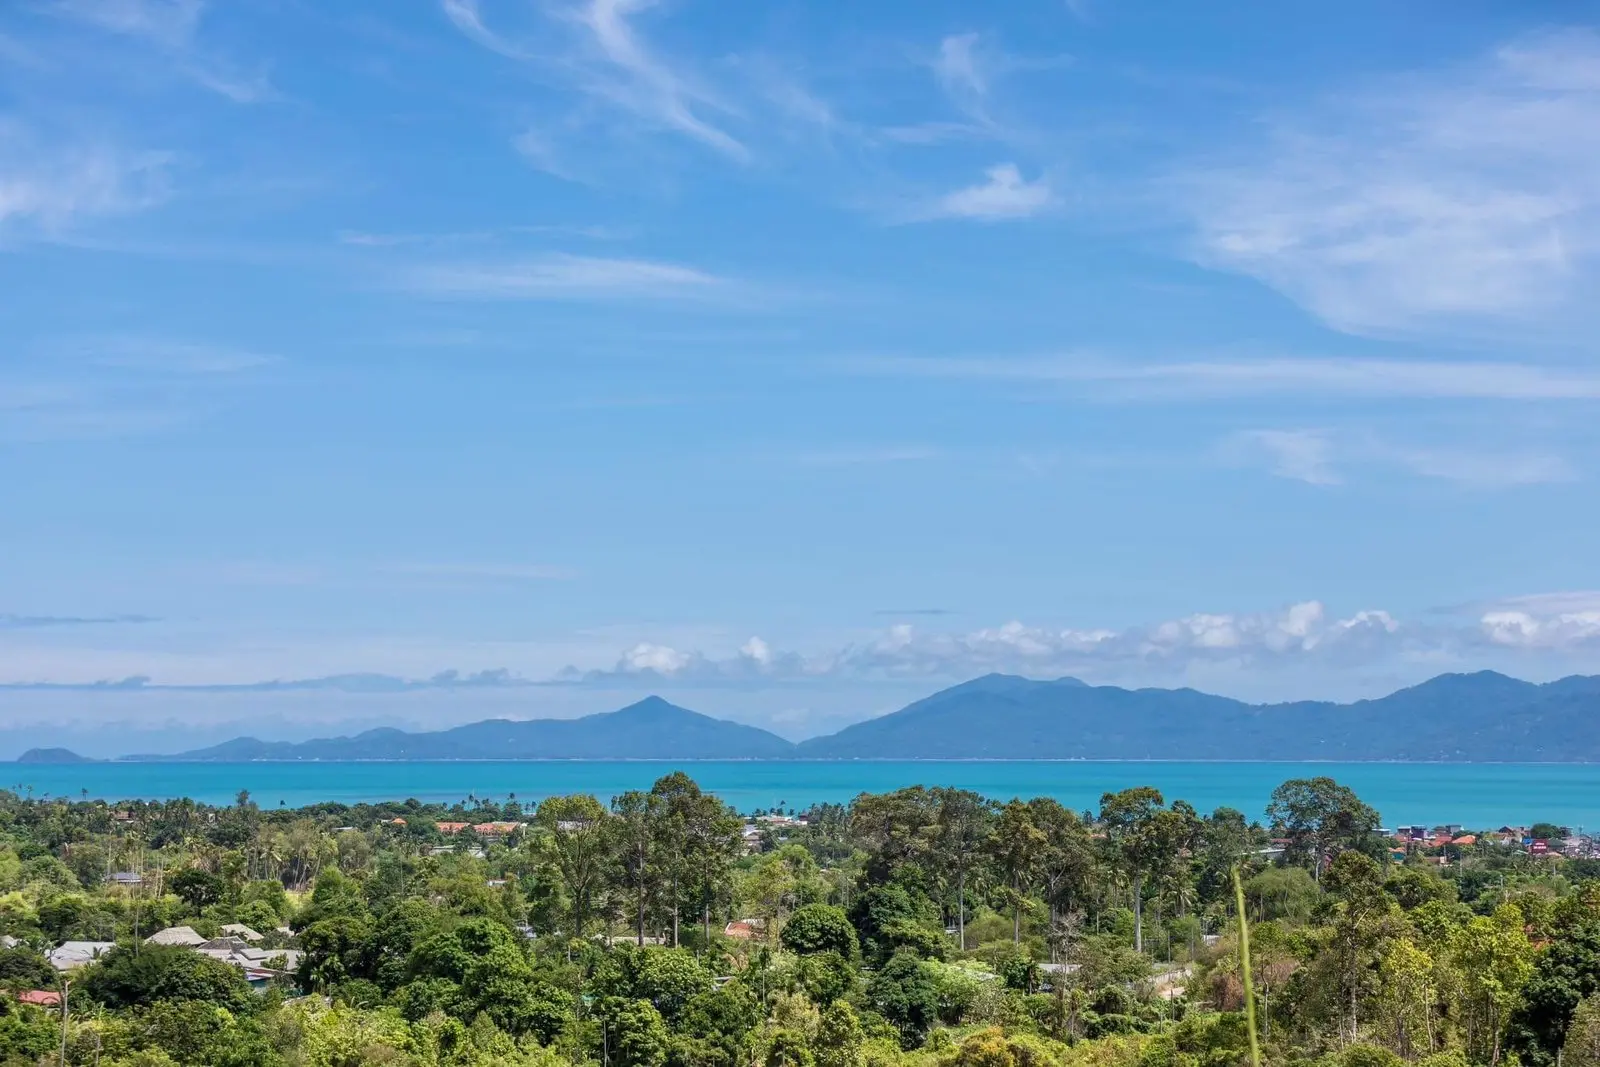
(790, 359)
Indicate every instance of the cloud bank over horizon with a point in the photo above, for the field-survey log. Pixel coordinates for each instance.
(1263, 650)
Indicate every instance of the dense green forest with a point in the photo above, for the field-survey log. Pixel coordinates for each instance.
(925, 927)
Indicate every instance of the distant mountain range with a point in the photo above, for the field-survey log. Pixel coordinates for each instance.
(1454, 717)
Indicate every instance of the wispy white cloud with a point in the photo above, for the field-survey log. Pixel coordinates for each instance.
(107, 387)
(170, 23)
(611, 62)
(960, 69)
(47, 622)
(1223, 378)
(1465, 199)
(1301, 455)
(1003, 194)
(47, 188)
(170, 26)
(561, 277)
(1316, 456)
(486, 572)
(173, 357)
(647, 85)
(1485, 469)
(856, 457)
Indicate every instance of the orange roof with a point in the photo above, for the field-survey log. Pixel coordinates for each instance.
(45, 998)
(1466, 839)
(452, 827)
(495, 827)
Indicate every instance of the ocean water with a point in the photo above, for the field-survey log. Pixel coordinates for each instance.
(1474, 794)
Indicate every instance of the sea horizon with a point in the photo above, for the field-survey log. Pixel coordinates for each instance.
(1475, 794)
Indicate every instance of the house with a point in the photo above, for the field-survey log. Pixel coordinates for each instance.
(1466, 840)
(396, 821)
(274, 962)
(125, 879)
(70, 955)
(744, 929)
(42, 998)
(1050, 973)
(494, 831)
(452, 827)
(176, 935)
(241, 931)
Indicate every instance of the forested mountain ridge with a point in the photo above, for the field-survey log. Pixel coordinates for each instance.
(649, 729)
(1455, 717)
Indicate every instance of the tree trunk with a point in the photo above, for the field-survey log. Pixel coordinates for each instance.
(961, 908)
(1138, 913)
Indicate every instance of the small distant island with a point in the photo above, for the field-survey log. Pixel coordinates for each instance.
(54, 755)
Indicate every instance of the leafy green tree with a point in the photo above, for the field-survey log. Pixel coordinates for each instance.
(1065, 858)
(904, 992)
(963, 823)
(1142, 836)
(126, 977)
(199, 889)
(635, 835)
(336, 949)
(23, 968)
(573, 844)
(395, 936)
(839, 1037)
(826, 976)
(1321, 818)
(333, 895)
(1015, 847)
(634, 1034)
(1582, 1045)
(820, 928)
(788, 1048)
(890, 917)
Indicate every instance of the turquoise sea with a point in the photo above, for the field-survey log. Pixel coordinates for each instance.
(1474, 794)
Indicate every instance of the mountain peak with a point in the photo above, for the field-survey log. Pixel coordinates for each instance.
(653, 707)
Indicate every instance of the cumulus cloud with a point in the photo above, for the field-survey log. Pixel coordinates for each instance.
(1301, 632)
(1539, 631)
(1544, 622)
